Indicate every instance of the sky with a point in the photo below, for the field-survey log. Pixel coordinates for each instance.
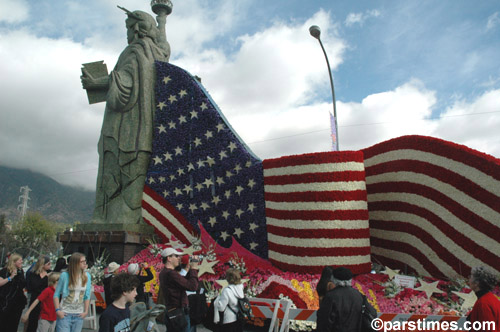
(399, 68)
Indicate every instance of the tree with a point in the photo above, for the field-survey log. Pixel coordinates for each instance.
(36, 234)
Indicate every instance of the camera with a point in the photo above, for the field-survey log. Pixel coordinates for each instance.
(195, 259)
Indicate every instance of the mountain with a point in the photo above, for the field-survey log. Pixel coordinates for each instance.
(56, 202)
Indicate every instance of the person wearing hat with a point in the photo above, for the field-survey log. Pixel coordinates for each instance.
(340, 309)
(135, 269)
(112, 269)
(174, 285)
(36, 281)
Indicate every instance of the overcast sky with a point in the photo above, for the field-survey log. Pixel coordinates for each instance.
(400, 68)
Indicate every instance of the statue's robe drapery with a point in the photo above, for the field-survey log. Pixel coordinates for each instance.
(126, 136)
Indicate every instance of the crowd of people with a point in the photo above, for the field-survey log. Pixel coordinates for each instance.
(59, 298)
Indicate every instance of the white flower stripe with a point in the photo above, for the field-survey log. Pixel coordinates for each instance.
(315, 168)
(315, 206)
(458, 196)
(319, 260)
(484, 180)
(480, 238)
(316, 186)
(164, 212)
(450, 244)
(417, 243)
(318, 242)
(318, 224)
(402, 257)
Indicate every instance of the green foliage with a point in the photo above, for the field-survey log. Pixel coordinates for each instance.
(36, 234)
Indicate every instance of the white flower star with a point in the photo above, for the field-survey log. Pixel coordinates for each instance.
(224, 235)
(172, 177)
(204, 206)
(429, 288)
(200, 163)
(171, 125)
(203, 106)
(212, 221)
(179, 206)
(190, 167)
(168, 156)
(253, 245)
(162, 129)
(227, 194)
(229, 174)
(232, 146)
(178, 151)
(222, 154)
(172, 98)
(187, 189)
(165, 193)
(210, 161)
(239, 189)
(216, 200)
(151, 180)
(237, 168)
(161, 105)
(197, 142)
(220, 180)
(208, 182)
(177, 192)
(182, 93)
(251, 207)
(238, 232)
(162, 179)
(253, 227)
(239, 212)
(251, 183)
(182, 119)
(219, 127)
(166, 79)
(193, 207)
(225, 214)
(157, 160)
(180, 171)
(199, 186)
(248, 163)
(209, 134)
(194, 114)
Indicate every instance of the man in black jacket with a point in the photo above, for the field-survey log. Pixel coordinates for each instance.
(340, 309)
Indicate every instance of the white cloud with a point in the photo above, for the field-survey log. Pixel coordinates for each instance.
(13, 11)
(493, 21)
(360, 18)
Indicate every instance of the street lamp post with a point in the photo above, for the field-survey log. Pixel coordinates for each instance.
(315, 31)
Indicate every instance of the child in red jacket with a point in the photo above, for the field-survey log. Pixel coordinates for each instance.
(48, 317)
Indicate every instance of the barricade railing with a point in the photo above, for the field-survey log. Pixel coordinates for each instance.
(270, 309)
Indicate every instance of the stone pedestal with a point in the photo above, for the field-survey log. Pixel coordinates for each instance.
(120, 241)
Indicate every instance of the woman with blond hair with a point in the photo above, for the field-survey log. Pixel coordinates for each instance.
(12, 299)
(37, 281)
(227, 302)
(74, 289)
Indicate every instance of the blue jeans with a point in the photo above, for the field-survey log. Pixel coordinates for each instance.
(70, 323)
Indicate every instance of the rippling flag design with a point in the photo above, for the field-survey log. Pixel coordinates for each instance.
(434, 206)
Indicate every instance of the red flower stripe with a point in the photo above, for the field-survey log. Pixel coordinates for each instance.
(461, 212)
(315, 178)
(410, 250)
(444, 175)
(318, 214)
(319, 233)
(314, 196)
(316, 252)
(481, 161)
(314, 158)
(460, 239)
(424, 236)
(355, 268)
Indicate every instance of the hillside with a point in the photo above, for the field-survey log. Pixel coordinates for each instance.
(54, 201)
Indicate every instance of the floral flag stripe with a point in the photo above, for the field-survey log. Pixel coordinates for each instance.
(433, 206)
(327, 190)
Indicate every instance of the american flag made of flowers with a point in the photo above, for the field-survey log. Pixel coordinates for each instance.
(200, 170)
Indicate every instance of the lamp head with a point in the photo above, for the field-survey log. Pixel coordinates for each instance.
(315, 31)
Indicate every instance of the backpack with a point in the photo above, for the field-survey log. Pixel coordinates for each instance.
(197, 307)
(208, 320)
(368, 314)
(244, 308)
(143, 319)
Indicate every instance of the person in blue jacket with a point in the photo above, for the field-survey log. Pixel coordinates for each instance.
(74, 289)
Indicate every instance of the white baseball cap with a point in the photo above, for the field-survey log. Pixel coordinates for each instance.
(170, 251)
(133, 268)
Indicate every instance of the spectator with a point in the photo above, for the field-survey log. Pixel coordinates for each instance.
(487, 307)
(228, 299)
(134, 269)
(12, 298)
(116, 317)
(74, 288)
(340, 309)
(61, 265)
(111, 271)
(325, 282)
(47, 321)
(174, 285)
(36, 282)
